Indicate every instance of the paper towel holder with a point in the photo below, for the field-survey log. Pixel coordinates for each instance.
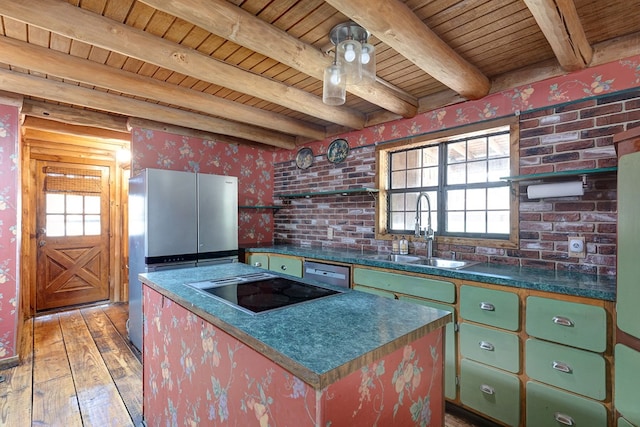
(557, 189)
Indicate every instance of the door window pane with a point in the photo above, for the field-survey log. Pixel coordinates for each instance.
(72, 215)
(75, 204)
(55, 225)
(92, 225)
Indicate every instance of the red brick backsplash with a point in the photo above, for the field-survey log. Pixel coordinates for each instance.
(568, 137)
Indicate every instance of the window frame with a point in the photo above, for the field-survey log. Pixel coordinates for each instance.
(382, 178)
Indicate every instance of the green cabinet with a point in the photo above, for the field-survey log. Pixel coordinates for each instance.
(569, 323)
(575, 370)
(493, 347)
(628, 290)
(424, 287)
(548, 406)
(490, 307)
(286, 265)
(258, 260)
(490, 391)
(627, 382)
(624, 423)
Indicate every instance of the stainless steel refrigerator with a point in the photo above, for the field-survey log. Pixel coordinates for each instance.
(178, 220)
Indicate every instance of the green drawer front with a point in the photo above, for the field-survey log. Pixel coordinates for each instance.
(491, 307)
(489, 346)
(548, 406)
(490, 391)
(569, 323)
(258, 260)
(627, 388)
(568, 368)
(450, 355)
(291, 266)
(374, 291)
(439, 290)
(624, 423)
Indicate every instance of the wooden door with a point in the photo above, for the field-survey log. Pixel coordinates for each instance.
(72, 234)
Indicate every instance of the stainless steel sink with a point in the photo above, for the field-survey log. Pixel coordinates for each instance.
(419, 260)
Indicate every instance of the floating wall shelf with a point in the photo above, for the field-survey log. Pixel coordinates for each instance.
(344, 192)
(561, 174)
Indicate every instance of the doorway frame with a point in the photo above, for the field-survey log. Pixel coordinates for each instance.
(82, 151)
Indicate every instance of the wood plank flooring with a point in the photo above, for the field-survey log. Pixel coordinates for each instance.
(79, 369)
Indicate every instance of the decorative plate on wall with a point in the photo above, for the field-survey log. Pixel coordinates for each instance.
(338, 150)
(304, 158)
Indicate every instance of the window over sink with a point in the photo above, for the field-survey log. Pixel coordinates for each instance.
(459, 170)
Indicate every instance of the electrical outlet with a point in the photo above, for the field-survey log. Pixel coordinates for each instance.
(577, 247)
(329, 233)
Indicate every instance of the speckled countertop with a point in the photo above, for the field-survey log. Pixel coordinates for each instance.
(319, 341)
(562, 282)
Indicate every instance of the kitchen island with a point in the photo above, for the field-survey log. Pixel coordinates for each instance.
(350, 359)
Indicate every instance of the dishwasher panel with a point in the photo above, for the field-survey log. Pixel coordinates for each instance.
(337, 275)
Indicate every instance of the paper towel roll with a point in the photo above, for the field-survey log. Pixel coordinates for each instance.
(557, 189)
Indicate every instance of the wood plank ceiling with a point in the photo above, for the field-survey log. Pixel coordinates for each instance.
(251, 71)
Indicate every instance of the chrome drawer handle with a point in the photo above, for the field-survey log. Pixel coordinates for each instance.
(562, 321)
(563, 419)
(487, 306)
(257, 264)
(562, 367)
(486, 346)
(283, 267)
(487, 389)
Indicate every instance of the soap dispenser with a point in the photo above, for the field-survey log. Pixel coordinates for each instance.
(404, 246)
(395, 246)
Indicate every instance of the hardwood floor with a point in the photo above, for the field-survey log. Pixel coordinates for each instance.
(80, 370)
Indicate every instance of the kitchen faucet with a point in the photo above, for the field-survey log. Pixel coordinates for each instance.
(428, 232)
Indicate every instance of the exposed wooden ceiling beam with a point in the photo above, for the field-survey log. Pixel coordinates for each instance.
(234, 23)
(397, 26)
(560, 23)
(47, 61)
(74, 95)
(74, 116)
(79, 24)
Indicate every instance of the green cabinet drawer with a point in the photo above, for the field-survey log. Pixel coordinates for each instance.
(490, 307)
(548, 406)
(374, 291)
(450, 355)
(568, 323)
(575, 370)
(286, 265)
(423, 287)
(627, 385)
(624, 423)
(258, 260)
(490, 391)
(490, 346)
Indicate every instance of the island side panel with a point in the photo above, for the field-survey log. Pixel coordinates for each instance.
(402, 389)
(196, 374)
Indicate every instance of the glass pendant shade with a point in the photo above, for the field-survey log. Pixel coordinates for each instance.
(368, 61)
(334, 85)
(349, 54)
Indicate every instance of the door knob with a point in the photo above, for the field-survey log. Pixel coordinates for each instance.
(42, 243)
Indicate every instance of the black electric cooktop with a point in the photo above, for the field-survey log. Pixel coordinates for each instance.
(261, 292)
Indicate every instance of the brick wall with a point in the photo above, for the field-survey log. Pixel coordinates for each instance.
(568, 137)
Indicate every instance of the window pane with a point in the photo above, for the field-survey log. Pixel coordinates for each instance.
(498, 222)
(498, 168)
(455, 222)
(476, 199)
(477, 172)
(74, 204)
(499, 145)
(498, 198)
(399, 180)
(55, 203)
(92, 204)
(398, 161)
(74, 225)
(413, 159)
(55, 225)
(413, 178)
(456, 174)
(476, 149)
(429, 177)
(92, 225)
(456, 152)
(397, 221)
(430, 156)
(397, 202)
(476, 222)
(455, 200)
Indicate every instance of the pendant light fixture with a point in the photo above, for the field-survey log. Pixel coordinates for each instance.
(354, 56)
(334, 84)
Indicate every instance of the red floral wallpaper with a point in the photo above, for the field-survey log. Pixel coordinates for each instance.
(196, 374)
(252, 166)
